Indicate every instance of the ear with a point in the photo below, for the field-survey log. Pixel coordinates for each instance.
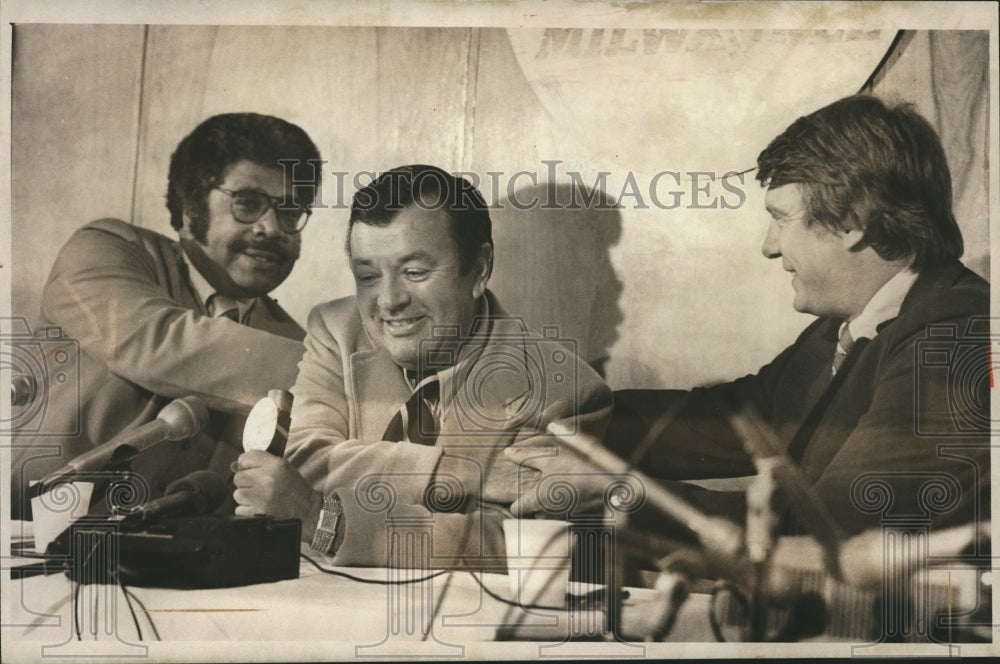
(851, 238)
(483, 269)
(185, 230)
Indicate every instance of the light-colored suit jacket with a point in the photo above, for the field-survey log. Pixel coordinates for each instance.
(498, 392)
(137, 336)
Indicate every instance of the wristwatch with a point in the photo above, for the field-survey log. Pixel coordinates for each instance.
(329, 520)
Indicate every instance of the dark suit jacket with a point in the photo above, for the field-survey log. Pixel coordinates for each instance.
(901, 433)
(136, 336)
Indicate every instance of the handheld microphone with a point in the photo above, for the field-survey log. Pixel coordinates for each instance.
(178, 420)
(267, 425)
(195, 494)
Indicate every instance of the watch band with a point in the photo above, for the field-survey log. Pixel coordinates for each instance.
(329, 520)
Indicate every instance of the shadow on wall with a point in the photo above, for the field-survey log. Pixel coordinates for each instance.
(553, 264)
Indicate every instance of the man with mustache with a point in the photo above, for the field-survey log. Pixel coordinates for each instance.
(158, 319)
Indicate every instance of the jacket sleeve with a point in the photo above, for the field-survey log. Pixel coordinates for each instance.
(106, 292)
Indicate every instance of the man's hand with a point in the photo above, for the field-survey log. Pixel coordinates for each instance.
(506, 480)
(487, 475)
(551, 461)
(266, 484)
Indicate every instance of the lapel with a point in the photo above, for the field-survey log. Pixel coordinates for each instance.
(379, 391)
(823, 428)
(495, 387)
(490, 390)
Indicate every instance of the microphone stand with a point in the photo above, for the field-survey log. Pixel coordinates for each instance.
(761, 521)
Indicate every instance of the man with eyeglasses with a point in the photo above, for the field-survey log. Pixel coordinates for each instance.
(157, 319)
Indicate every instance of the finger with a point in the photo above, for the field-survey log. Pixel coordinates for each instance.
(526, 505)
(255, 459)
(245, 510)
(528, 478)
(247, 497)
(524, 453)
(243, 479)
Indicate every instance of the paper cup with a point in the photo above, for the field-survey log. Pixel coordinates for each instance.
(538, 560)
(54, 511)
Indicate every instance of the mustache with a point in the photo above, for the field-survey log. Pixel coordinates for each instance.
(274, 246)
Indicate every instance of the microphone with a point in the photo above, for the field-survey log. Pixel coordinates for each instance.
(716, 534)
(267, 425)
(178, 420)
(23, 389)
(195, 494)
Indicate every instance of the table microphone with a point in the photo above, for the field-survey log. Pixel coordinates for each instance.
(195, 494)
(718, 535)
(178, 420)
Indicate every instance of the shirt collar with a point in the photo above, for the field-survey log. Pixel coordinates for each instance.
(883, 306)
(204, 290)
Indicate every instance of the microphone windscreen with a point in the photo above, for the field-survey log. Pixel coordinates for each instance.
(207, 489)
(184, 417)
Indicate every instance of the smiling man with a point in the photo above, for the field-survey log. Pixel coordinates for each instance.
(410, 390)
(156, 320)
(886, 394)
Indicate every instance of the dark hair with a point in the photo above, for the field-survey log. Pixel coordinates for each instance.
(429, 188)
(200, 160)
(880, 169)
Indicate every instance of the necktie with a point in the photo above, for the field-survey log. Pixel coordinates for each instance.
(220, 306)
(845, 342)
(414, 422)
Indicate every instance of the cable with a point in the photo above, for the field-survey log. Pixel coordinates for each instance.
(149, 618)
(509, 602)
(131, 609)
(376, 582)
(78, 588)
(76, 610)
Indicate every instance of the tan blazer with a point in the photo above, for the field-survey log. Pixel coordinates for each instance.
(348, 390)
(136, 337)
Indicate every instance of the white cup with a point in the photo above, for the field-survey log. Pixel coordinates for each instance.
(54, 511)
(538, 560)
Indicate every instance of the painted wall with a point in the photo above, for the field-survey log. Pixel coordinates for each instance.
(655, 275)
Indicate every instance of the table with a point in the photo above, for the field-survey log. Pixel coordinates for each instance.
(318, 616)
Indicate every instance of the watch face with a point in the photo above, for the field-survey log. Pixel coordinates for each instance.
(262, 422)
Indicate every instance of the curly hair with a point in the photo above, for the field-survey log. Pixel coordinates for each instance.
(201, 159)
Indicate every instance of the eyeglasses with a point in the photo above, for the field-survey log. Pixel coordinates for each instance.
(249, 205)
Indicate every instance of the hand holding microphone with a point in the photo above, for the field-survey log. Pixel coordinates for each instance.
(265, 482)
